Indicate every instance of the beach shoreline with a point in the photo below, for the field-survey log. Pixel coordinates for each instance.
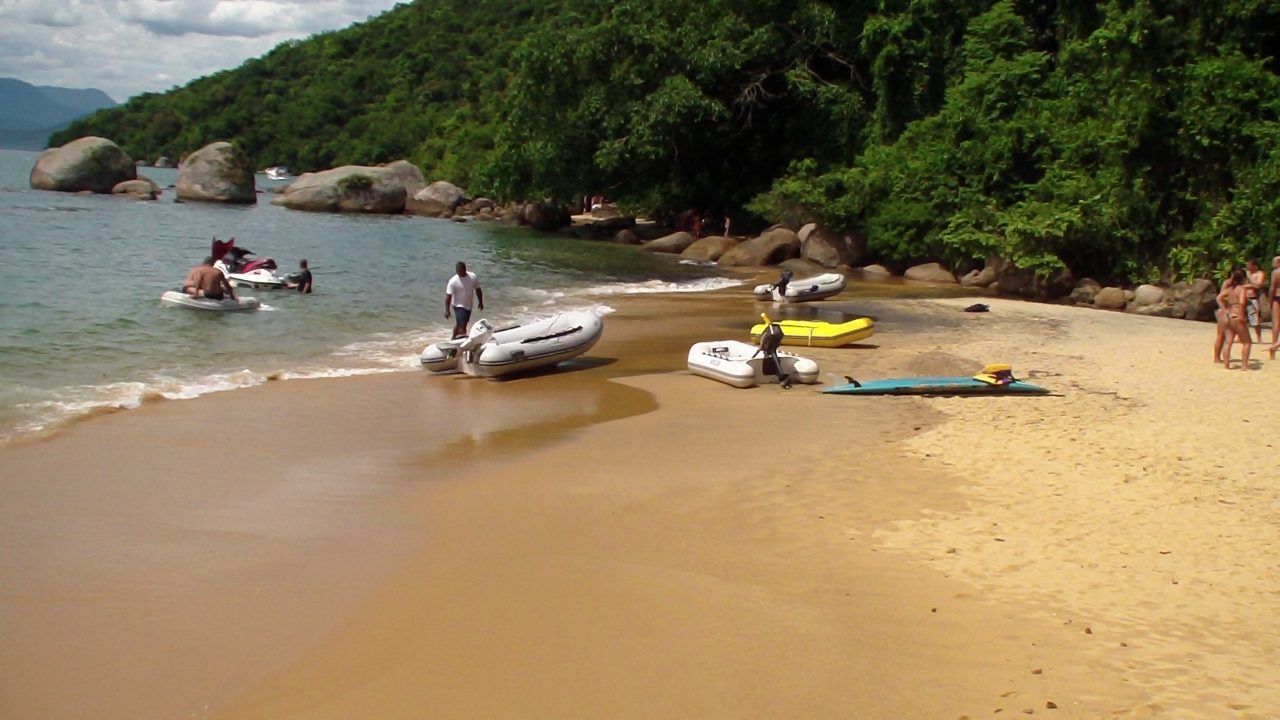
(623, 539)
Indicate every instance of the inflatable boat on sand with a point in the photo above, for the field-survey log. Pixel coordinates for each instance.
(486, 352)
(817, 287)
(181, 299)
(816, 333)
(743, 365)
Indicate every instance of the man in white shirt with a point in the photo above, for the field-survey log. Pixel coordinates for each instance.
(457, 298)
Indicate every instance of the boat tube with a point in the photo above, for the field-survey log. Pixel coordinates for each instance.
(817, 287)
(486, 352)
(181, 299)
(743, 365)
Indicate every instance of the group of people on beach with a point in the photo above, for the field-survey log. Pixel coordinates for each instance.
(1240, 312)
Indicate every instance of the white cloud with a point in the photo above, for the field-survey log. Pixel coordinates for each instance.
(126, 47)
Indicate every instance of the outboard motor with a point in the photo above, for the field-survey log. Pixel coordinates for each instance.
(469, 348)
(770, 341)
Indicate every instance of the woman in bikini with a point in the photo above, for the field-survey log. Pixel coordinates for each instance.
(1232, 300)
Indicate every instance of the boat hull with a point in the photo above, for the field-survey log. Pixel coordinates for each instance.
(818, 287)
(813, 333)
(179, 299)
(519, 349)
(739, 364)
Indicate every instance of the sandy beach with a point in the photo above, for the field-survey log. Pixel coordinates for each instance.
(622, 539)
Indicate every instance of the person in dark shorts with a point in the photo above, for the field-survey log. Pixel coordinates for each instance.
(458, 298)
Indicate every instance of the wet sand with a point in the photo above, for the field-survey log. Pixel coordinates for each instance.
(623, 539)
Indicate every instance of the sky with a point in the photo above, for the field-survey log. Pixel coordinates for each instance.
(128, 47)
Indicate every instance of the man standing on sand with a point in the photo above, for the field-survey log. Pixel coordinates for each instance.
(457, 298)
(207, 281)
(1255, 284)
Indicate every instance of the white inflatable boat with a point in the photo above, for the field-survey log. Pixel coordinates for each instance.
(744, 365)
(181, 299)
(817, 287)
(486, 352)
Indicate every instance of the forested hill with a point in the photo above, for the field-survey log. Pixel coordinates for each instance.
(1129, 140)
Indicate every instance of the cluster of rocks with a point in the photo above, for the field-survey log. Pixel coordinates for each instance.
(220, 173)
(813, 249)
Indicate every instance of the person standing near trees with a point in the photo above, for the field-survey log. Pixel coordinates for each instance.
(458, 298)
(1255, 281)
(1232, 302)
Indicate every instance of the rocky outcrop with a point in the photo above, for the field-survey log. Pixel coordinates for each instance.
(676, 242)
(772, 247)
(351, 188)
(710, 248)
(88, 164)
(930, 272)
(216, 173)
(408, 175)
(830, 249)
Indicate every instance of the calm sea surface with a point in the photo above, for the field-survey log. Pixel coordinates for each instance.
(82, 328)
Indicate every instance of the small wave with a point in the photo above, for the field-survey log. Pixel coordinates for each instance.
(663, 286)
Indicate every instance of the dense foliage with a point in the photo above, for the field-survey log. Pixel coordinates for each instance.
(1122, 139)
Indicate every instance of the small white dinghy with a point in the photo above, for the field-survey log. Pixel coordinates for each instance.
(817, 287)
(744, 365)
(486, 352)
(181, 299)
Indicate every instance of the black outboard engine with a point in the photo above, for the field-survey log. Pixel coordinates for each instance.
(770, 341)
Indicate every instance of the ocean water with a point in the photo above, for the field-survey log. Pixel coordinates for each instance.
(82, 328)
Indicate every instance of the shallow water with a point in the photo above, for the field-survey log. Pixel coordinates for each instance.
(81, 277)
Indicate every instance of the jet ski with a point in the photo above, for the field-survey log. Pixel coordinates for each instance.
(241, 271)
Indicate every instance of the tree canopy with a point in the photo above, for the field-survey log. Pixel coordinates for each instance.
(1127, 139)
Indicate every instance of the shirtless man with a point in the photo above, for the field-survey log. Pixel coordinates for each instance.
(207, 281)
(1255, 282)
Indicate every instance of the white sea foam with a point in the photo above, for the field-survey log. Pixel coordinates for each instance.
(661, 286)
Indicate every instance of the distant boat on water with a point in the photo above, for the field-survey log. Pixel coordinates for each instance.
(278, 172)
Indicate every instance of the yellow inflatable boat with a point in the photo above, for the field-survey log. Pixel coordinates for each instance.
(815, 333)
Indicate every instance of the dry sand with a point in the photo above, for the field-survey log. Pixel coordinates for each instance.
(626, 540)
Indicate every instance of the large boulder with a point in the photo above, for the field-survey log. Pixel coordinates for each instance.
(709, 248)
(674, 243)
(1145, 295)
(830, 249)
(1110, 298)
(141, 189)
(350, 188)
(441, 192)
(772, 247)
(1197, 300)
(930, 272)
(408, 175)
(544, 216)
(217, 173)
(91, 164)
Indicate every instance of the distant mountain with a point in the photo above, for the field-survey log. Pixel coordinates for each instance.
(30, 113)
